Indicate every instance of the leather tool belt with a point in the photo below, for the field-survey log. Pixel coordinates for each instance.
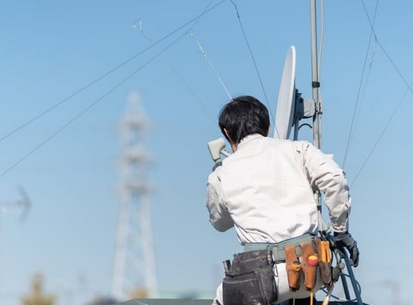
(277, 249)
(303, 255)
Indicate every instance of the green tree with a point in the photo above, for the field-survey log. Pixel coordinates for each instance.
(36, 296)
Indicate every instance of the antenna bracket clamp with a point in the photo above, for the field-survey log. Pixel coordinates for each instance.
(315, 84)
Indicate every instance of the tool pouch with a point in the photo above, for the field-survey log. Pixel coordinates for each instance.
(323, 249)
(293, 267)
(250, 280)
(310, 272)
(325, 273)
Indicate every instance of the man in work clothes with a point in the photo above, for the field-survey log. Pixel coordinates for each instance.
(265, 190)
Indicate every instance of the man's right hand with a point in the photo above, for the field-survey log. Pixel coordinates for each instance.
(345, 240)
(217, 164)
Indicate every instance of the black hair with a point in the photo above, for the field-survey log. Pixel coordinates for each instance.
(243, 116)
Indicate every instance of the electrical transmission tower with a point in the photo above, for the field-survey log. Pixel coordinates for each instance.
(134, 262)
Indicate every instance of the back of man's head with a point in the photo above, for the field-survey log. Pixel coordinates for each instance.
(243, 116)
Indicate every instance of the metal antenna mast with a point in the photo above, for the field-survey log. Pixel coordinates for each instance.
(317, 132)
(134, 262)
(315, 81)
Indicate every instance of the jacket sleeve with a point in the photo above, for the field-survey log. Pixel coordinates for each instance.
(326, 176)
(219, 216)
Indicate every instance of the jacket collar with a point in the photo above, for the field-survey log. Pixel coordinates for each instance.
(248, 139)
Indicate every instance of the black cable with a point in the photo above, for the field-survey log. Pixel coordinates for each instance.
(252, 56)
(380, 137)
(359, 90)
(387, 54)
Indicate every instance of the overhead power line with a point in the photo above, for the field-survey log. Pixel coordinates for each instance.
(106, 74)
(172, 66)
(356, 106)
(87, 109)
(409, 89)
(99, 99)
(252, 56)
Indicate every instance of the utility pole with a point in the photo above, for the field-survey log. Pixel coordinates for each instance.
(134, 261)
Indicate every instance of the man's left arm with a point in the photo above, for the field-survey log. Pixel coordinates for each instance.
(325, 175)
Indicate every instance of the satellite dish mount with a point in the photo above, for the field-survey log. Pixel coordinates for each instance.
(291, 107)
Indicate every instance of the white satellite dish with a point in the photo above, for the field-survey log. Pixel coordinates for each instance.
(284, 117)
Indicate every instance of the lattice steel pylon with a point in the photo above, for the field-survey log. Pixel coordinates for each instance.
(134, 268)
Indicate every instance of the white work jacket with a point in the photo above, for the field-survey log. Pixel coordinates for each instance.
(266, 190)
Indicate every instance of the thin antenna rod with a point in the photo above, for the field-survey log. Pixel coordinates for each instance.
(315, 81)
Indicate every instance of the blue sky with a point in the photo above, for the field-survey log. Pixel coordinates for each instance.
(53, 50)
